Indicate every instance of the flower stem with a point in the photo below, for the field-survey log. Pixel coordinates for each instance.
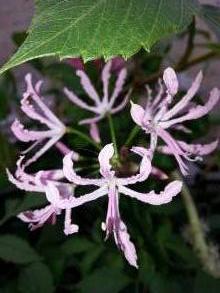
(200, 245)
(84, 137)
(113, 136)
(132, 135)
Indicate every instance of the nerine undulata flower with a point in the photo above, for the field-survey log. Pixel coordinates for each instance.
(160, 115)
(59, 199)
(34, 107)
(102, 105)
(112, 186)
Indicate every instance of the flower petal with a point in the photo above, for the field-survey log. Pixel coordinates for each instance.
(186, 99)
(171, 81)
(104, 158)
(94, 132)
(70, 174)
(171, 190)
(88, 87)
(118, 86)
(105, 80)
(137, 113)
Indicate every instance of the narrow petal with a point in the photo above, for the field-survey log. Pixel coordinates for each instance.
(43, 150)
(122, 104)
(145, 170)
(126, 245)
(24, 185)
(77, 101)
(199, 149)
(118, 86)
(171, 81)
(137, 113)
(186, 99)
(197, 111)
(70, 174)
(104, 158)
(171, 190)
(88, 87)
(28, 135)
(69, 228)
(94, 132)
(105, 80)
(34, 94)
(159, 173)
(91, 120)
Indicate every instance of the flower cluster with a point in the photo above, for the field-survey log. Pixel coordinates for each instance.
(157, 119)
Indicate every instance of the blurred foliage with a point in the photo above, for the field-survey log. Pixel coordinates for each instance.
(45, 260)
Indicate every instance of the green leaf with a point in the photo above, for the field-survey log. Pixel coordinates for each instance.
(36, 278)
(76, 245)
(104, 280)
(17, 250)
(97, 28)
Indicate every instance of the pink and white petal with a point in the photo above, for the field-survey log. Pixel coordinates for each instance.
(91, 120)
(118, 86)
(94, 132)
(199, 149)
(43, 150)
(171, 81)
(197, 111)
(145, 170)
(104, 158)
(122, 104)
(69, 228)
(137, 113)
(34, 95)
(105, 80)
(88, 87)
(181, 127)
(24, 185)
(126, 245)
(71, 175)
(77, 101)
(159, 94)
(173, 148)
(171, 190)
(186, 99)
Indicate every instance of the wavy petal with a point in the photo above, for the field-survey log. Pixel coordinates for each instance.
(104, 158)
(71, 175)
(171, 190)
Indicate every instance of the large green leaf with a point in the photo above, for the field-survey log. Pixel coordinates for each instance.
(94, 28)
(17, 250)
(36, 278)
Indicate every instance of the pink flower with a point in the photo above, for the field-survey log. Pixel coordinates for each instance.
(33, 106)
(106, 103)
(59, 198)
(159, 116)
(112, 186)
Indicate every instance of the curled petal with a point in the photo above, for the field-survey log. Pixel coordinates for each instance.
(186, 99)
(171, 190)
(69, 228)
(171, 81)
(199, 149)
(137, 113)
(71, 175)
(104, 158)
(38, 218)
(123, 241)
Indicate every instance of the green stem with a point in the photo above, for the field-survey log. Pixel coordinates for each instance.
(84, 137)
(113, 136)
(200, 245)
(132, 135)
